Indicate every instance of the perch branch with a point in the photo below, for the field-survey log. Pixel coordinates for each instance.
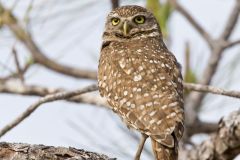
(48, 98)
(223, 145)
(39, 57)
(33, 90)
(20, 151)
(211, 89)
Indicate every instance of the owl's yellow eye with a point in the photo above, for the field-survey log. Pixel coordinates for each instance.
(115, 21)
(139, 19)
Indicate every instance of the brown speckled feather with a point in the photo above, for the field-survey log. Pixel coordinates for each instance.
(142, 82)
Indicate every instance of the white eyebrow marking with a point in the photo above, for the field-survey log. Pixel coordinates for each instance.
(113, 15)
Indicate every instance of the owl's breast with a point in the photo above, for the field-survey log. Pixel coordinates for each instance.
(126, 73)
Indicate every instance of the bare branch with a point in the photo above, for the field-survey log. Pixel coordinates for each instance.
(191, 20)
(19, 70)
(210, 89)
(232, 44)
(223, 145)
(33, 90)
(15, 74)
(39, 57)
(21, 151)
(232, 21)
(202, 127)
(46, 99)
(195, 99)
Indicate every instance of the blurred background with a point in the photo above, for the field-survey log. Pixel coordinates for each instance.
(69, 32)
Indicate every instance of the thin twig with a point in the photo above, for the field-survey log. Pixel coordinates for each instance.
(46, 99)
(218, 47)
(210, 89)
(191, 20)
(232, 21)
(19, 70)
(39, 57)
(33, 90)
(232, 44)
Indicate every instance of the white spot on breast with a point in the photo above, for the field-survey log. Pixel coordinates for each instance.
(104, 84)
(139, 90)
(164, 107)
(137, 78)
(156, 103)
(122, 101)
(125, 93)
(173, 104)
(134, 89)
(122, 63)
(159, 122)
(153, 70)
(133, 105)
(128, 71)
(141, 107)
(172, 115)
(146, 95)
(152, 121)
(140, 68)
(153, 113)
(162, 78)
(149, 104)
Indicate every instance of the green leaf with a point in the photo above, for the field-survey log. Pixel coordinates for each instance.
(162, 12)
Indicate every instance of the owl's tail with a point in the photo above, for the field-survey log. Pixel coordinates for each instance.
(162, 152)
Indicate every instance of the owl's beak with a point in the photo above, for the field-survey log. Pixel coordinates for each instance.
(125, 28)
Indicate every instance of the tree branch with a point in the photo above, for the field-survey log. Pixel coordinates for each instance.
(33, 90)
(218, 47)
(39, 57)
(73, 96)
(211, 89)
(17, 63)
(232, 44)
(232, 21)
(20, 151)
(192, 21)
(223, 145)
(48, 98)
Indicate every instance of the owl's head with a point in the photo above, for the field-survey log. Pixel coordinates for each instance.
(129, 22)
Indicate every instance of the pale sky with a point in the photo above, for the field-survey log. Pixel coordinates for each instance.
(70, 32)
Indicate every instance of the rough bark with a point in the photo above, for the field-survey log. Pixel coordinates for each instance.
(20, 151)
(223, 145)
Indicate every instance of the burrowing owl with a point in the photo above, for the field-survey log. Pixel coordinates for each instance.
(141, 79)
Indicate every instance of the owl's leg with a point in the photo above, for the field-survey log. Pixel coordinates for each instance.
(140, 147)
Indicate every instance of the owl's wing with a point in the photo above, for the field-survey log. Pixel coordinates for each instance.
(158, 98)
